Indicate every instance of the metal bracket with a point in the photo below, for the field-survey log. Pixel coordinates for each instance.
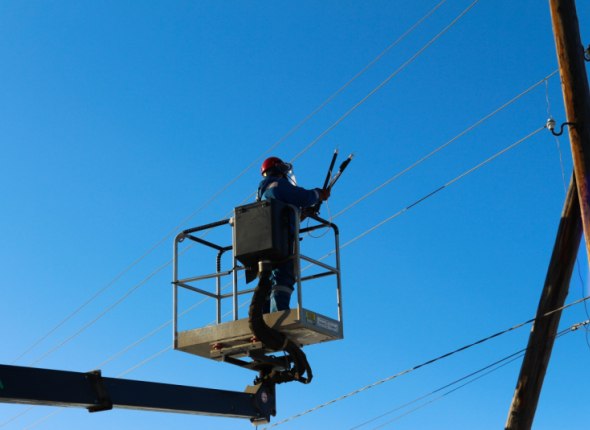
(264, 399)
(551, 126)
(103, 399)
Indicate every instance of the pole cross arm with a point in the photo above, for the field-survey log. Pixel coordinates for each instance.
(28, 385)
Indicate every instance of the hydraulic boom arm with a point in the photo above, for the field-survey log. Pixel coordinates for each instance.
(35, 386)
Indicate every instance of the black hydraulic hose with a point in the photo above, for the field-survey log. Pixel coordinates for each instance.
(274, 339)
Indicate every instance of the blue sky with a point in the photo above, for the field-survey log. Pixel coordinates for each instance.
(121, 120)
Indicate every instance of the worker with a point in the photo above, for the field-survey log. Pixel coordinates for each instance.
(279, 183)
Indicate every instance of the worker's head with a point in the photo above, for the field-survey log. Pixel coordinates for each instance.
(275, 167)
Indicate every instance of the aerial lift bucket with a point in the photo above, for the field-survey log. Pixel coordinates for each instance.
(259, 231)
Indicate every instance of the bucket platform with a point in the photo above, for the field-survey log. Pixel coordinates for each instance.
(232, 341)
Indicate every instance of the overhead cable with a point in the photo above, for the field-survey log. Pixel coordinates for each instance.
(582, 284)
(409, 61)
(168, 348)
(157, 354)
(426, 363)
(549, 115)
(332, 96)
(373, 191)
(234, 180)
(108, 309)
(470, 378)
(389, 78)
(117, 355)
(152, 333)
(490, 368)
(17, 416)
(444, 145)
(42, 419)
(488, 160)
(442, 187)
(149, 335)
(100, 315)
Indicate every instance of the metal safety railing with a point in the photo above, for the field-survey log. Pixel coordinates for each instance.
(196, 236)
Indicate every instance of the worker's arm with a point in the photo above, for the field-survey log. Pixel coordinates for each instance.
(297, 196)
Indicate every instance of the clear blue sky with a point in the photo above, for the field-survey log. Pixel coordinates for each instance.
(120, 119)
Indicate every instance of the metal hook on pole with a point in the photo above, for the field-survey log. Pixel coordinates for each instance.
(551, 126)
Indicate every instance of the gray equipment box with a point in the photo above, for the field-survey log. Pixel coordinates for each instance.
(262, 232)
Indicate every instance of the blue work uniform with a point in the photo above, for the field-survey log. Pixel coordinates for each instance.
(283, 276)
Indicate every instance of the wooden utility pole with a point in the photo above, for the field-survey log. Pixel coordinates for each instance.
(536, 359)
(575, 216)
(576, 97)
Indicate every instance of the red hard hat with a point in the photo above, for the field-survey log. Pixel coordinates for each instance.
(274, 163)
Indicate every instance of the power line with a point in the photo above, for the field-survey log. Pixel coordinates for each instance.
(549, 115)
(168, 348)
(409, 61)
(587, 331)
(389, 78)
(157, 354)
(124, 350)
(59, 325)
(125, 372)
(424, 364)
(42, 420)
(368, 231)
(512, 359)
(442, 187)
(292, 131)
(492, 366)
(17, 416)
(87, 302)
(358, 237)
(358, 75)
(476, 375)
(444, 145)
(430, 194)
(488, 160)
(145, 361)
(100, 315)
(150, 334)
(108, 309)
(558, 145)
(243, 172)
(344, 245)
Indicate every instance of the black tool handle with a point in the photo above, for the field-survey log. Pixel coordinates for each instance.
(329, 174)
(316, 209)
(343, 167)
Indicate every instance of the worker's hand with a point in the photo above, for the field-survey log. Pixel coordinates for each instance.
(324, 193)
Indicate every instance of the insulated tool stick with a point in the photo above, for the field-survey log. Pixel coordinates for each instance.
(329, 174)
(316, 208)
(343, 166)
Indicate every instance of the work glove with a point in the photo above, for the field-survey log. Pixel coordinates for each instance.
(324, 193)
